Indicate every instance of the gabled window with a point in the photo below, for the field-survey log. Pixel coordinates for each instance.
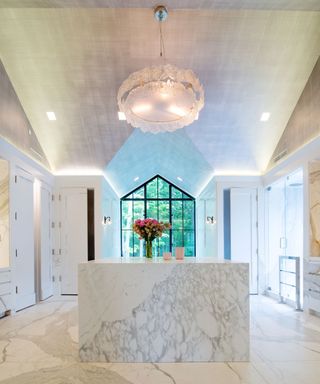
(161, 200)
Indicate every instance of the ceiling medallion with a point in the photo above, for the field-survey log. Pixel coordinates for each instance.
(161, 98)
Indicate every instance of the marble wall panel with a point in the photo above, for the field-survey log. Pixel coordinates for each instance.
(314, 204)
(4, 213)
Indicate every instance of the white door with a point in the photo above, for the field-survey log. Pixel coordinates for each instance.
(46, 289)
(24, 271)
(243, 227)
(74, 237)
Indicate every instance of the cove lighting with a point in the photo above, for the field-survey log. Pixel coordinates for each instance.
(121, 116)
(51, 116)
(265, 116)
(79, 172)
(179, 178)
(36, 152)
(236, 173)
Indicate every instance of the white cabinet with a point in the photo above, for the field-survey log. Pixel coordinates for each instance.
(5, 291)
(312, 286)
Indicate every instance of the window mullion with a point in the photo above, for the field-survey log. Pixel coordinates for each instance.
(157, 201)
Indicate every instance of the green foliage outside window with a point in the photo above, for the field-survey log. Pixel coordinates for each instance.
(163, 201)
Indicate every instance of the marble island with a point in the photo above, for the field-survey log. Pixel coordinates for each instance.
(139, 310)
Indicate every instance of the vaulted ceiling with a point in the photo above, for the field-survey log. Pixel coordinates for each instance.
(70, 57)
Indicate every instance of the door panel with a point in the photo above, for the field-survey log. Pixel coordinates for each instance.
(243, 225)
(74, 237)
(24, 241)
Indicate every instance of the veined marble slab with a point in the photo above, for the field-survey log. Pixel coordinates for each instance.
(314, 203)
(142, 310)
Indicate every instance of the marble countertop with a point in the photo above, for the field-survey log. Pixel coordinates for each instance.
(160, 260)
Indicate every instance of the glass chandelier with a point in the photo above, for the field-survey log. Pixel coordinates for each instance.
(161, 98)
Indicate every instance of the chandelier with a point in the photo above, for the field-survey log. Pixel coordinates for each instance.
(161, 98)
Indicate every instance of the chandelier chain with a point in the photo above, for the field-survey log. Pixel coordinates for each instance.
(162, 48)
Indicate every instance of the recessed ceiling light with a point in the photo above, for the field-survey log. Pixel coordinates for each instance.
(136, 178)
(30, 132)
(179, 178)
(51, 116)
(265, 116)
(121, 116)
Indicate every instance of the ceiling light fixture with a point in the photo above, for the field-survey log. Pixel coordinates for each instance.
(161, 98)
(51, 116)
(179, 178)
(136, 178)
(265, 116)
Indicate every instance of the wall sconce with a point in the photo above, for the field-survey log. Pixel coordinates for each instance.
(106, 220)
(211, 220)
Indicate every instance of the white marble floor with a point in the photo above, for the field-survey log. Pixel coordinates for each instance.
(39, 346)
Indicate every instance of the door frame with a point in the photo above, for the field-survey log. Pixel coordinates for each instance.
(38, 202)
(254, 258)
(227, 182)
(63, 192)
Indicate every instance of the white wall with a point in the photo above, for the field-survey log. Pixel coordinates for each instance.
(206, 234)
(110, 205)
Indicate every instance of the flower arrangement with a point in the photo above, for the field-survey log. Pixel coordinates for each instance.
(149, 229)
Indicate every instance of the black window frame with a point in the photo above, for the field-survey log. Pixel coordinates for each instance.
(170, 199)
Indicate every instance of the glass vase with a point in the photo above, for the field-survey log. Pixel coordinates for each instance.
(148, 249)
